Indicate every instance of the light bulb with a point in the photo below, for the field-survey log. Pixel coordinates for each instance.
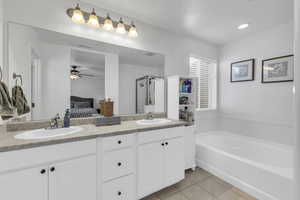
(93, 20)
(243, 26)
(132, 31)
(121, 27)
(74, 76)
(77, 16)
(108, 24)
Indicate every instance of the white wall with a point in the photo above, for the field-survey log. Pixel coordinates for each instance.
(128, 76)
(1, 32)
(297, 100)
(22, 41)
(93, 87)
(253, 108)
(176, 48)
(112, 80)
(55, 78)
(207, 120)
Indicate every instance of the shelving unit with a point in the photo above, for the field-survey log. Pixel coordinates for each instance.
(186, 105)
(184, 93)
(174, 107)
(176, 94)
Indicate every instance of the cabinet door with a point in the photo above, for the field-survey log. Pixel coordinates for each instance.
(174, 161)
(150, 168)
(74, 179)
(25, 184)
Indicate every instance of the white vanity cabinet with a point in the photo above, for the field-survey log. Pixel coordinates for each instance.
(160, 161)
(74, 179)
(150, 168)
(133, 166)
(56, 172)
(29, 183)
(122, 167)
(117, 167)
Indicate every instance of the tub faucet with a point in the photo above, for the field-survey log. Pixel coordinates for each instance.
(149, 116)
(54, 122)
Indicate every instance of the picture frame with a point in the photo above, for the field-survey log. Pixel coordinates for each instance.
(278, 69)
(242, 71)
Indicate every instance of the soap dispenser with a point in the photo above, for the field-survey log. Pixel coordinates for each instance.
(67, 119)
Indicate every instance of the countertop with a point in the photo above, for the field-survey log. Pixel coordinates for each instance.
(9, 143)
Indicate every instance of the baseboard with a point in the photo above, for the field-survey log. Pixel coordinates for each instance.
(192, 167)
(259, 194)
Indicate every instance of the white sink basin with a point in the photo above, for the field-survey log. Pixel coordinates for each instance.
(48, 133)
(153, 121)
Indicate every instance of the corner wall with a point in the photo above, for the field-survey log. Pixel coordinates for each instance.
(251, 108)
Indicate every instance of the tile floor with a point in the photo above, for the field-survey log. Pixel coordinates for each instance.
(200, 185)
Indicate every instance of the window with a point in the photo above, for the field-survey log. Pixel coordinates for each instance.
(205, 70)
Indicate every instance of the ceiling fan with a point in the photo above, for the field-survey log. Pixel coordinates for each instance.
(76, 74)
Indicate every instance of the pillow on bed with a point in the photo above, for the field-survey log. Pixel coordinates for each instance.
(82, 105)
(83, 112)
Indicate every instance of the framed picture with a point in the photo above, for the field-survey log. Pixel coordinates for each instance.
(242, 71)
(280, 69)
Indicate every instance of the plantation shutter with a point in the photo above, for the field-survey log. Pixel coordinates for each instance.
(199, 68)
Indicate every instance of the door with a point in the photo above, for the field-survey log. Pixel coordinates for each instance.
(25, 184)
(150, 168)
(74, 179)
(174, 160)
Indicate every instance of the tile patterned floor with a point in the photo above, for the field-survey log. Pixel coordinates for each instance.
(200, 185)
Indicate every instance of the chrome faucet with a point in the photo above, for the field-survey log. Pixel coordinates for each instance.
(149, 116)
(54, 122)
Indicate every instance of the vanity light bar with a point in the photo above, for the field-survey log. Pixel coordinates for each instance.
(92, 19)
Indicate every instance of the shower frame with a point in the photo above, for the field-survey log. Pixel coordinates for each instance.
(147, 89)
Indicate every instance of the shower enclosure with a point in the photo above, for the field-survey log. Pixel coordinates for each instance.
(149, 94)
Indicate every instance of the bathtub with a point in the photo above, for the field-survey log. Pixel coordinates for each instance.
(260, 168)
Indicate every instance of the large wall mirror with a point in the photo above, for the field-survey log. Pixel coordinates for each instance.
(58, 72)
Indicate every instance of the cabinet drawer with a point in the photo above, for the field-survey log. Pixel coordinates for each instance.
(118, 163)
(118, 142)
(160, 134)
(120, 189)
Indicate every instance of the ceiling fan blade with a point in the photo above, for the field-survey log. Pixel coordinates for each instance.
(87, 75)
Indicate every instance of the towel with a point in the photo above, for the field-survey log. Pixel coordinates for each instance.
(5, 100)
(19, 100)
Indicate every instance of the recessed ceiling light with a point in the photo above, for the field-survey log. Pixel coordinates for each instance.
(243, 26)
